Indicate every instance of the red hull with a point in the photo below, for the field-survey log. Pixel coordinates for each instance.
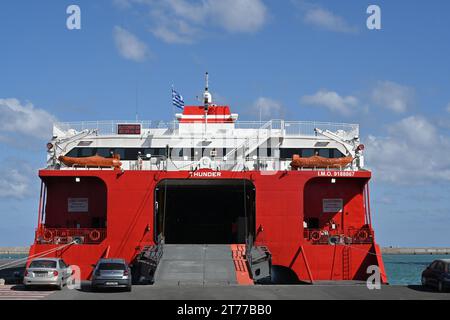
(282, 201)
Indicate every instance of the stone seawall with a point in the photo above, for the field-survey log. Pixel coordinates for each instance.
(14, 250)
(427, 250)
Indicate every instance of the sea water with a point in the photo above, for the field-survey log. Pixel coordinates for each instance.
(12, 256)
(406, 269)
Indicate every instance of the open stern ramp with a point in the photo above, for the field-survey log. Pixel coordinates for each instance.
(195, 264)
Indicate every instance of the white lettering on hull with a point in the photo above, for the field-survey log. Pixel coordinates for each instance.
(336, 173)
(214, 174)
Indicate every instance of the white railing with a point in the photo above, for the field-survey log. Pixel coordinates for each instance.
(110, 127)
(284, 128)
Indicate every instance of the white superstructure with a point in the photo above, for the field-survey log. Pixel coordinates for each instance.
(207, 136)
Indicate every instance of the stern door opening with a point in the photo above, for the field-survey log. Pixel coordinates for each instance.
(205, 211)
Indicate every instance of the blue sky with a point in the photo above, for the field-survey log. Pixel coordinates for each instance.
(301, 60)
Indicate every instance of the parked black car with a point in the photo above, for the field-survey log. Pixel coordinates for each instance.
(111, 273)
(437, 275)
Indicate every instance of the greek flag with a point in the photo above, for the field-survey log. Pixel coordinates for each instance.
(177, 99)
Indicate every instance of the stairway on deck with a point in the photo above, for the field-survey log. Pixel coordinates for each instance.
(185, 264)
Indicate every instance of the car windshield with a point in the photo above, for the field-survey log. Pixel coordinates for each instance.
(111, 266)
(43, 264)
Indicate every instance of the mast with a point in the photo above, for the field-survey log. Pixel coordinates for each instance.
(207, 99)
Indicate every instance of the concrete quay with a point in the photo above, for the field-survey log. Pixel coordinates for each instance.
(14, 250)
(417, 251)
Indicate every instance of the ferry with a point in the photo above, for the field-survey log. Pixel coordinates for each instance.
(207, 198)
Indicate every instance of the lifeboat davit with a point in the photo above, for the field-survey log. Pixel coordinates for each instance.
(319, 162)
(95, 161)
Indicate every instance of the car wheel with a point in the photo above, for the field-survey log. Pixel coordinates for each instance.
(424, 282)
(129, 289)
(59, 287)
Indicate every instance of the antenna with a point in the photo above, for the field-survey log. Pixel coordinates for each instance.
(207, 98)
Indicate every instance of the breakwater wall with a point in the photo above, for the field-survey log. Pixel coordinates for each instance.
(422, 251)
(14, 250)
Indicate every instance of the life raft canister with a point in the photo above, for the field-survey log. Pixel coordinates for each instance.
(94, 235)
(363, 235)
(315, 235)
(48, 235)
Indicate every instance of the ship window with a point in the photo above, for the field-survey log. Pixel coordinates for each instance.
(86, 152)
(336, 153)
(121, 153)
(131, 153)
(176, 153)
(155, 151)
(307, 153)
(287, 153)
(324, 153)
(104, 152)
(124, 153)
(72, 153)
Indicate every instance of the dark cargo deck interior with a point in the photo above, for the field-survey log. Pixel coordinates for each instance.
(205, 211)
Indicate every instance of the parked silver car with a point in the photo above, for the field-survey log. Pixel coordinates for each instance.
(47, 272)
(111, 273)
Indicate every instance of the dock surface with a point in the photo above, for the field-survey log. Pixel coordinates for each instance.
(275, 292)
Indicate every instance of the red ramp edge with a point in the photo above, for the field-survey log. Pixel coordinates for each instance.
(240, 265)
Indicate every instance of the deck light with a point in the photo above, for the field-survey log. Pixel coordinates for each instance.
(333, 180)
(77, 179)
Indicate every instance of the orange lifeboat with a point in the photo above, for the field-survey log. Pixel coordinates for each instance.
(95, 161)
(319, 162)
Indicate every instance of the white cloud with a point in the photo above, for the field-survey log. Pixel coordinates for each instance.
(15, 180)
(175, 31)
(393, 96)
(181, 21)
(129, 46)
(413, 153)
(24, 119)
(325, 19)
(239, 15)
(122, 3)
(332, 101)
(268, 108)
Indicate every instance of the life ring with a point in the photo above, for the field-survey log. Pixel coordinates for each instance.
(315, 236)
(95, 235)
(48, 235)
(363, 235)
